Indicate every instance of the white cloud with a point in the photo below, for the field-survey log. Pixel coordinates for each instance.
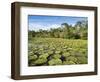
(55, 25)
(36, 26)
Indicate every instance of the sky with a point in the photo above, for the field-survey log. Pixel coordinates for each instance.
(36, 22)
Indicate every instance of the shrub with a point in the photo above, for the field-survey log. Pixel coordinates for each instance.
(56, 56)
(58, 52)
(66, 54)
(40, 61)
(54, 51)
(32, 57)
(82, 60)
(56, 61)
(68, 62)
(45, 55)
(71, 58)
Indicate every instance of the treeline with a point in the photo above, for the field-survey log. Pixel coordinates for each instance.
(66, 31)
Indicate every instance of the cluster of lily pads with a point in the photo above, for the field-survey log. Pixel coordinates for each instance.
(49, 52)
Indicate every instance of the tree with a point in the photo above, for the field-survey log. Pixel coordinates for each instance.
(66, 31)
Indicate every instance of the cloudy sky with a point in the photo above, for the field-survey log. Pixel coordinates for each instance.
(36, 22)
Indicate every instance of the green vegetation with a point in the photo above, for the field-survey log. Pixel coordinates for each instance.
(57, 51)
(65, 45)
(78, 31)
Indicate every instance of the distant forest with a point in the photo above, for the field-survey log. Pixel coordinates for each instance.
(66, 31)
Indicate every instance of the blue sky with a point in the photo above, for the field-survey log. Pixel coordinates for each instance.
(36, 22)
